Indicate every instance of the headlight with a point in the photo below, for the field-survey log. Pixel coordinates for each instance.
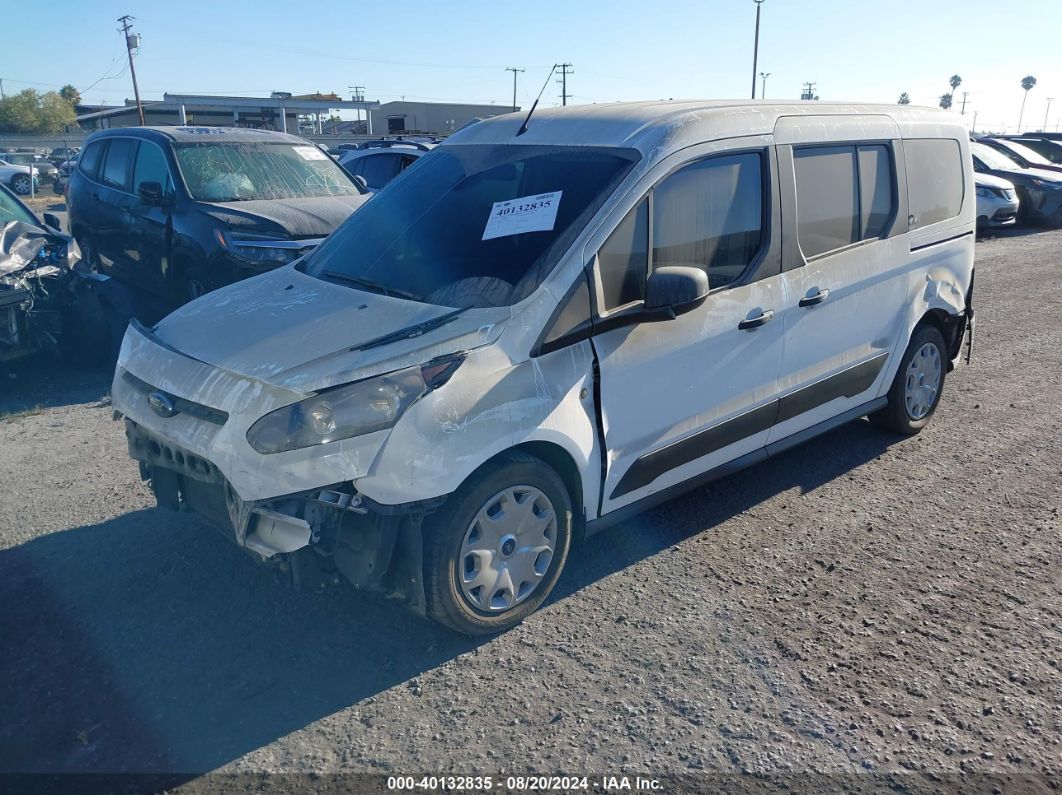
(983, 193)
(262, 249)
(350, 410)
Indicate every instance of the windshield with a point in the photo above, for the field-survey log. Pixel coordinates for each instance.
(11, 210)
(225, 172)
(474, 225)
(993, 158)
(1033, 157)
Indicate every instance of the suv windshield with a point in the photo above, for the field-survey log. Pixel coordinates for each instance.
(217, 172)
(473, 225)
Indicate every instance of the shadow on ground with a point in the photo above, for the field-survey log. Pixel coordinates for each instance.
(43, 381)
(148, 643)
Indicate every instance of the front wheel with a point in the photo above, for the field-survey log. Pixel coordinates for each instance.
(495, 550)
(919, 382)
(22, 184)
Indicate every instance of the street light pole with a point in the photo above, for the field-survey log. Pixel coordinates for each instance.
(763, 84)
(756, 48)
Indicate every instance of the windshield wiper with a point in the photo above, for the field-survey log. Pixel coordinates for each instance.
(410, 331)
(371, 286)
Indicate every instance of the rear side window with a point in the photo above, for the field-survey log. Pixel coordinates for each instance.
(709, 215)
(845, 194)
(116, 164)
(90, 158)
(380, 169)
(935, 187)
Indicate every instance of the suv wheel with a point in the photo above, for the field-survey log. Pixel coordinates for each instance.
(919, 382)
(495, 550)
(198, 280)
(22, 184)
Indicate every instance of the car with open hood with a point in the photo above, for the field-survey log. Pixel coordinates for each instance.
(180, 211)
(553, 322)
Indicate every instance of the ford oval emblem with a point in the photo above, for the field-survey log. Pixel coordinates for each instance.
(162, 404)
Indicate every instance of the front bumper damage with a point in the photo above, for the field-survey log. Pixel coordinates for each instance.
(314, 535)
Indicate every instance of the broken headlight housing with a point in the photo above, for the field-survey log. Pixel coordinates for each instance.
(262, 249)
(350, 410)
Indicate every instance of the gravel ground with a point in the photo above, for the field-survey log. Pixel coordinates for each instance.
(864, 612)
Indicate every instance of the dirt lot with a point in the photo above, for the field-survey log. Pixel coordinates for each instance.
(870, 611)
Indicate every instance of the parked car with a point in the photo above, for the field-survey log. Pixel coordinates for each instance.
(997, 202)
(1050, 136)
(45, 303)
(180, 211)
(525, 339)
(1045, 147)
(378, 162)
(21, 179)
(63, 153)
(45, 170)
(1039, 191)
(1021, 154)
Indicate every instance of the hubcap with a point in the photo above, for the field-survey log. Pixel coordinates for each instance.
(923, 381)
(22, 185)
(507, 549)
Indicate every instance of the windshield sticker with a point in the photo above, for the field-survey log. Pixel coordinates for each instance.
(310, 153)
(526, 214)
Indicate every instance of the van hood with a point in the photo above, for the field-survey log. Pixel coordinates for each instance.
(304, 334)
(316, 216)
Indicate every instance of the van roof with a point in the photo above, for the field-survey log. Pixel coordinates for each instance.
(656, 127)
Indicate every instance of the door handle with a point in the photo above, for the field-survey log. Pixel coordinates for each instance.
(95, 196)
(812, 300)
(755, 322)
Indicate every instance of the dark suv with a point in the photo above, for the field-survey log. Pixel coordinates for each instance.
(180, 211)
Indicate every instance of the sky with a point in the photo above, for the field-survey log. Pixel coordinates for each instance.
(457, 50)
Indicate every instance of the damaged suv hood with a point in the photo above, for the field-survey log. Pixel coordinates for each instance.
(304, 334)
(304, 217)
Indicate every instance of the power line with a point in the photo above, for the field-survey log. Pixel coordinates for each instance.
(566, 69)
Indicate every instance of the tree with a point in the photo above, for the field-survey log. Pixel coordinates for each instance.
(32, 112)
(945, 101)
(1027, 83)
(954, 81)
(71, 95)
(904, 99)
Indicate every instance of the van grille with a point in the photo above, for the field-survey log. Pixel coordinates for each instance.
(183, 406)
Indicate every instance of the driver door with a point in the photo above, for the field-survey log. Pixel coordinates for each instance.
(683, 396)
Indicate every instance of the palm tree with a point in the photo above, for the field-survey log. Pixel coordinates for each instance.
(904, 99)
(955, 81)
(70, 94)
(1027, 82)
(945, 101)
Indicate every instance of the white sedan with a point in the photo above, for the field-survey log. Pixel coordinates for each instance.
(20, 179)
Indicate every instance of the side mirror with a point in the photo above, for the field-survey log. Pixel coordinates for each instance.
(361, 183)
(675, 289)
(150, 192)
(52, 220)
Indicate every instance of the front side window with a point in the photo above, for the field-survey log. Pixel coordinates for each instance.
(12, 210)
(150, 166)
(935, 178)
(116, 165)
(472, 225)
(845, 194)
(709, 215)
(623, 261)
(228, 172)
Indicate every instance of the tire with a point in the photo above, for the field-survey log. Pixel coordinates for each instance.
(22, 184)
(912, 400)
(463, 545)
(196, 281)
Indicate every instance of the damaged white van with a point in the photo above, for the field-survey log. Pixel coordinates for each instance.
(544, 328)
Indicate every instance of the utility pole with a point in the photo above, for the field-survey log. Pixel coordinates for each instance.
(965, 94)
(756, 48)
(1049, 101)
(565, 71)
(357, 95)
(973, 127)
(763, 84)
(809, 91)
(2, 88)
(514, 70)
(132, 41)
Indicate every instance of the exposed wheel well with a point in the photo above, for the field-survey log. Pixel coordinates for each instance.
(951, 327)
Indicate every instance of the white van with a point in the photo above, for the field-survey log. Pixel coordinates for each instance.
(532, 335)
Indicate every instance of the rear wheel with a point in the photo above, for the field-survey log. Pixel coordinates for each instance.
(22, 184)
(919, 382)
(495, 550)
